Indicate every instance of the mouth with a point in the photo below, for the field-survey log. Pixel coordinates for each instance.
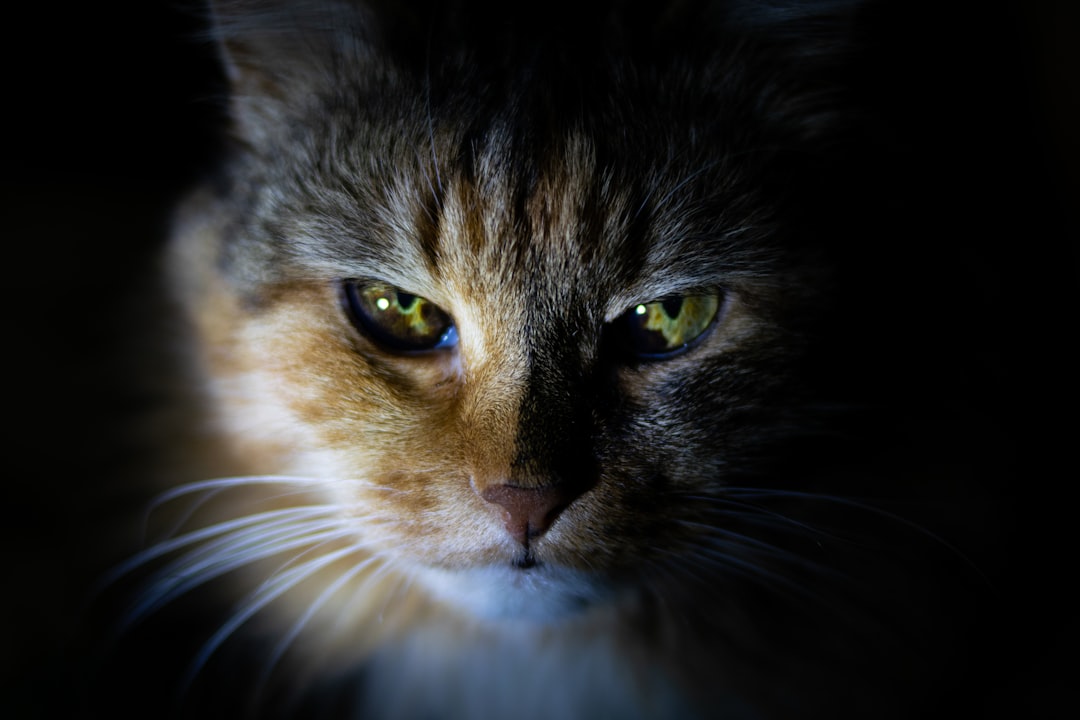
(526, 560)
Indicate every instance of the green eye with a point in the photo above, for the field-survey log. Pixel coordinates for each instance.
(664, 328)
(397, 320)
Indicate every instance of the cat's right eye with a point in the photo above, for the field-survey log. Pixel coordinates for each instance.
(396, 320)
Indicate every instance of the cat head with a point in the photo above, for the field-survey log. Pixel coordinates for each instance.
(522, 292)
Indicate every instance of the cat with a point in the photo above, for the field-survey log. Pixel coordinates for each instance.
(507, 385)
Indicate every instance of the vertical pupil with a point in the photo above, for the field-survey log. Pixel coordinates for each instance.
(405, 301)
(672, 307)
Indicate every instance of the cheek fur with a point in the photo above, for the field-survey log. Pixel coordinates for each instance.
(302, 393)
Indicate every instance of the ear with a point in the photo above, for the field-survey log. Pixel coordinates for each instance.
(278, 54)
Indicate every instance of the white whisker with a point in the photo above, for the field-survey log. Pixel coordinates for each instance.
(166, 547)
(375, 576)
(256, 601)
(184, 519)
(248, 546)
(736, 538)
(756, 512)
(235, 482)
(181, 577)
(323, 540)
(290, 637)
(764, 493)
(737, 564)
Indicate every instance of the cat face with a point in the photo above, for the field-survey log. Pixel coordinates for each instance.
(518, 385)
(546, 388)
(516, 329)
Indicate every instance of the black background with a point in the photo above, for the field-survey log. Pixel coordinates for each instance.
(109, 112)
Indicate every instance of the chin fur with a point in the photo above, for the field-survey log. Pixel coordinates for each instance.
(541, 593)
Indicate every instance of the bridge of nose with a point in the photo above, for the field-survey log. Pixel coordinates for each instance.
(534, 464)
(526, 414)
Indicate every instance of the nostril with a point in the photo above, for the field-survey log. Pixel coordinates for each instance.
(529, 512)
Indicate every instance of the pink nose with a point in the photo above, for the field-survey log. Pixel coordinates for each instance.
(529, 512)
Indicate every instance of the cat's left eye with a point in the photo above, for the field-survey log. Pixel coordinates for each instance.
(665, 328)
(397, 320)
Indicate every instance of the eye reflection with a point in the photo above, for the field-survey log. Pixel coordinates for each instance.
(667, 327)
(396, 320)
